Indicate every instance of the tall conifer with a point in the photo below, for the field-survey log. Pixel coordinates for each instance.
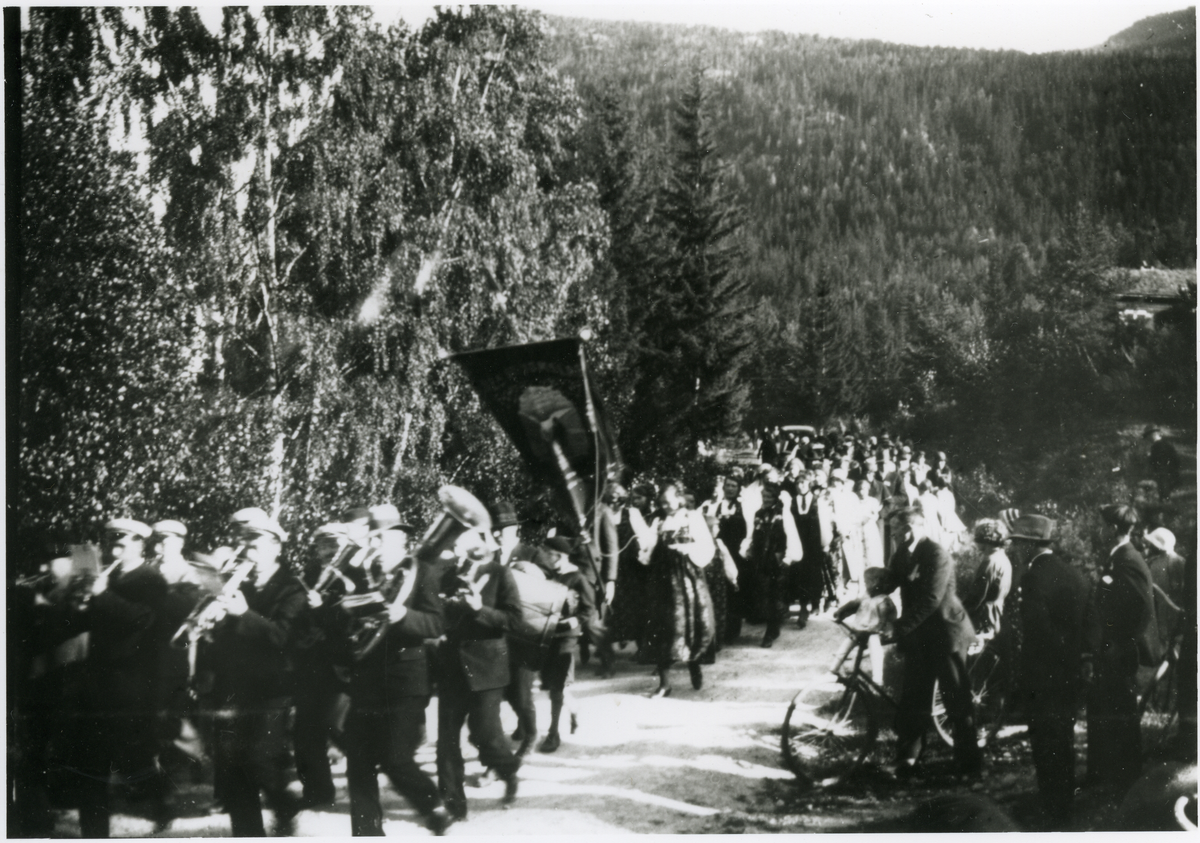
(696, 336)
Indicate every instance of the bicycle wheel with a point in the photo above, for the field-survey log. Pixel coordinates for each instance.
(989, 694)
(828, 731)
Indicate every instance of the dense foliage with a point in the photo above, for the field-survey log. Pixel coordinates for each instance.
(252, 236)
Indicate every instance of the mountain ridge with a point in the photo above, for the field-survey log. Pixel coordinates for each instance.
(1170, 32)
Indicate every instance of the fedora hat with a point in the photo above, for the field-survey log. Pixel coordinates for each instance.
(1034, 528)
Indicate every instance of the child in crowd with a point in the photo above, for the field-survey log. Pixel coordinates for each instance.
(875, 614)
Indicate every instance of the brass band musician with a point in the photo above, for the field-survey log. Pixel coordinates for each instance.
(248, 657)
(390, 686)
(121, 611)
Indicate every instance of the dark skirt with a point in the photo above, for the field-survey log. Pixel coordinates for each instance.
(718, 589)
(680, 624)
(626, 618)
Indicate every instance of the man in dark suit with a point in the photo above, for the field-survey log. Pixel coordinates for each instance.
(481, 603)
(933, 634)
(319, 679)
(524, 660)
(1053, 601)
(122, 612)
(250, 659)
(390, 688)
(1119, 613)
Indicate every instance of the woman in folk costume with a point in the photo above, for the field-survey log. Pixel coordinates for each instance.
(627, 618)
(724, 514)
(680, 621)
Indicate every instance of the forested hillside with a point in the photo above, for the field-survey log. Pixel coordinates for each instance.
(1169, 32)
(898, 194)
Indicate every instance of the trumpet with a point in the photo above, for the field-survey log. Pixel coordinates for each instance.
(204, 617)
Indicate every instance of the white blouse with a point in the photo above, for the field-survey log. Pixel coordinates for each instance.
(700, 548)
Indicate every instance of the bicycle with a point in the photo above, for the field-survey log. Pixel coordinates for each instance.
(833, 725)
(1158, 704)
(990, 692)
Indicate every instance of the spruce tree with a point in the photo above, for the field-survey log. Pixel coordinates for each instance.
(695, 336)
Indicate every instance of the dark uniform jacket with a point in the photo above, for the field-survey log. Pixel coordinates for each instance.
(251, 655)
(1121, 608)
(932, 611)
(1053, 598)
(398, 667)
(126, 626)
(475, 648)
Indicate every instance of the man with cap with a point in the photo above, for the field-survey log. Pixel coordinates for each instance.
(1120, 610)
(1164, 461)
(525, 660)
(319, 679)
(480, 603)
(390, 687)
(122, 612)
(933, 634)
(558, 668)
(248, 658)
(179, 750)
(1053, 600)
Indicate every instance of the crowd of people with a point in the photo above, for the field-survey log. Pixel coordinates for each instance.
(127, 675)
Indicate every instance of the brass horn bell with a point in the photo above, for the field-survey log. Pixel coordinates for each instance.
(463, 512)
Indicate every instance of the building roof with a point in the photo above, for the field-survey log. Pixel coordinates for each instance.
(1155, 285)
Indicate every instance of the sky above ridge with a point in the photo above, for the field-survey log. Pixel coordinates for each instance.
(1032, 26)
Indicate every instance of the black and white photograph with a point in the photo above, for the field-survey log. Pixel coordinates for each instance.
(601, 418)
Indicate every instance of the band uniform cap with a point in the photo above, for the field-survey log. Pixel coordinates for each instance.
(558, 544)
(129, 526)
(385, 516)
(1162, 538)
(1151, 428)
(1034, 528)
(170, 527)
(250, 513)
(1119, 515)
(254, 520)
(334, 529)
(358, 515)
(504, 514)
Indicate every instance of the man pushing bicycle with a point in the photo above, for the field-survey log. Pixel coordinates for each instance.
(933, 634)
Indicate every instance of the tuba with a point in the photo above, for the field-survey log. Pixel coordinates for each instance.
(369, 612)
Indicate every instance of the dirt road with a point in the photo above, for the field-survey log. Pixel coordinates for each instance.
(687, 763)
(697, 762)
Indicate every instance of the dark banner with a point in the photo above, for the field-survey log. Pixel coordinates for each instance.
(541, 395)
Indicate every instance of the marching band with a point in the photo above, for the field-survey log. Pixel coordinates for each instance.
(236, 659)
